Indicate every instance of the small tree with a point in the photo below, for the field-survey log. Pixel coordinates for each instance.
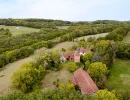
(71, 66)
(98, 71)
(96, 57)
(87, 56)
(105, 95)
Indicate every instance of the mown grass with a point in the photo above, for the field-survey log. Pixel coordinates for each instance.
(119, 78)
(15, 30)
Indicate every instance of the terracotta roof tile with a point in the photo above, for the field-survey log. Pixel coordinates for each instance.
(84, 81)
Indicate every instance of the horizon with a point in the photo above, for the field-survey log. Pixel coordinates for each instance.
(67, 10)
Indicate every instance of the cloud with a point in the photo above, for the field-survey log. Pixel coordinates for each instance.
(65, 9)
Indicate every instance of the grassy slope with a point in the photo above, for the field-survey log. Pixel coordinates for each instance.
(96, 36)
(120, 75)
(62, 27)
(15, 31)
(127, 39)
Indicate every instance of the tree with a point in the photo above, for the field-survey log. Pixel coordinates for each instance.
(105, 95)
(105, 50)
(96, 57)
(28, 77)
(87, 64)
(87, 56)
(98, 71)
(82, 44)
(71, 66)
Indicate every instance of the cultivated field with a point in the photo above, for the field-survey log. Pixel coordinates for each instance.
(15, 30)
(120, 75)
(96, 36)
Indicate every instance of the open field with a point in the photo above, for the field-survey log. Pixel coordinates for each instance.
(62, 27)
(15, 30)
(96, 36)
(64, 45)
(127, 38)
(63, 75)
(120, 75)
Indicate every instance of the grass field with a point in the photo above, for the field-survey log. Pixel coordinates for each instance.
(62, 27)
(96, 36)
(120, 75)
(63, 75)
(127, 38)
(15, 30)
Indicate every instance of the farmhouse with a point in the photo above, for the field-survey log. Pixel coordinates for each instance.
(82, 79)
(74, 55)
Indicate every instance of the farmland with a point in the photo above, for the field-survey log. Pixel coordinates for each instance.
(16, 30)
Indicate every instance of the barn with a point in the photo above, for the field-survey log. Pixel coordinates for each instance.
(82, 79)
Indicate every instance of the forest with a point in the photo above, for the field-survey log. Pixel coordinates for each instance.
(26, 81)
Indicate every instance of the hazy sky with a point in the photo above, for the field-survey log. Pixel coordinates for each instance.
(72, 10)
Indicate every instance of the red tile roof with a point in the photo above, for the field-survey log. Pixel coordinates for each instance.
(82, 79)
(69, 54)
(83, 50)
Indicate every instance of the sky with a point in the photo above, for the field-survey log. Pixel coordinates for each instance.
(70, 10)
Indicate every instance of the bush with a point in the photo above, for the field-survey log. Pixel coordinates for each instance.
(71, 66)
(105, 95)
(15, 95)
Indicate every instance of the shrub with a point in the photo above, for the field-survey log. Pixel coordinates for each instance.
(71, 66)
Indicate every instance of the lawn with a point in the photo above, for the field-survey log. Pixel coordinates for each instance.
(120, 75)
(15, 30)
(63, 75)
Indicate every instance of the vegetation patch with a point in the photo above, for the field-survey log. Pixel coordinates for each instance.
(63, 75)
(127, 38)
(120, 75)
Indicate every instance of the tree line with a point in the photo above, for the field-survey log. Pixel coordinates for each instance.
(35, 23)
